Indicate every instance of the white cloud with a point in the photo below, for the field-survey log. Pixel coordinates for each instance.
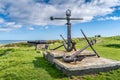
(5, 29)
(46, 27)
(31, 28)
(8, 26)
(1, 20)
(35, 12)
(109, 18)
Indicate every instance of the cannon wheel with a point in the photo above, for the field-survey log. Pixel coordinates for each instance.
(89, 43)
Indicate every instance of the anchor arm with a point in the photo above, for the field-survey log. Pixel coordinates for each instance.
(89, 43)
(63, 39)
(73, 43)
(64, 44)
(57, 47)
(85, 47)
(72, 57)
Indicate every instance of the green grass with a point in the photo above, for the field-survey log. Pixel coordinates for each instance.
(25, 64)
(21, 62)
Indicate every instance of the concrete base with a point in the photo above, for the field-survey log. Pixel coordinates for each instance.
(51, 55)
(89, 65)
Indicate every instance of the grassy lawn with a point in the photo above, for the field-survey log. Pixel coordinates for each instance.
(24, 63)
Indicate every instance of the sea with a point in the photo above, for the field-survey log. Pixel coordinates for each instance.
(11, 41)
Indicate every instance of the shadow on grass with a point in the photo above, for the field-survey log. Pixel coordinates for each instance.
(40, 62)
(117, 39)
(112, 45)
(5, 52)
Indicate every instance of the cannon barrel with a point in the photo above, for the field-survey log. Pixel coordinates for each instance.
(39, 42)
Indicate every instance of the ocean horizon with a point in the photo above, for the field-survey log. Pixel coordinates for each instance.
(11, 41)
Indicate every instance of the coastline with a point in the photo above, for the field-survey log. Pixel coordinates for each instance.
(4, 42)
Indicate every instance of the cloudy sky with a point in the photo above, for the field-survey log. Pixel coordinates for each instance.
(29, 19)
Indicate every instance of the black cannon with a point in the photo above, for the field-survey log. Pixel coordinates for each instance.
(42, 44)
(39, 42)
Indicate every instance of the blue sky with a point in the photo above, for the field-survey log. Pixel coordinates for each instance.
(29, 19)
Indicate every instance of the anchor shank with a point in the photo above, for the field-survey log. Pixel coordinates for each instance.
(68, 33)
